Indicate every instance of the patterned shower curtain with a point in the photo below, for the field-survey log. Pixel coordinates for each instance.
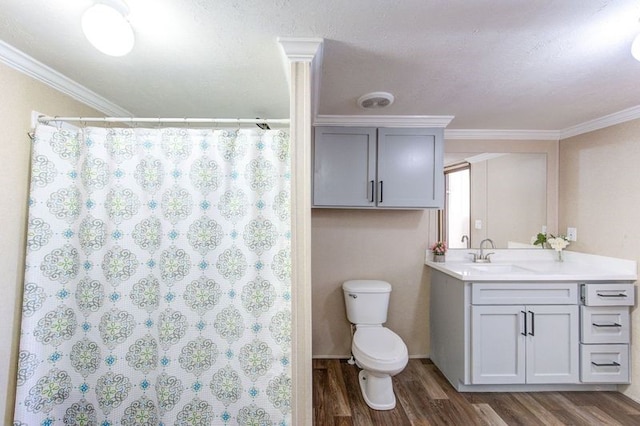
(157, 284)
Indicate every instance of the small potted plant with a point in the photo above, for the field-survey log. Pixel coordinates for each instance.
(439, 248)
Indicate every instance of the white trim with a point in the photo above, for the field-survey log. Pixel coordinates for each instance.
(488, 134)
(384, 120)
(628, 114)
(41, 72)
(483, 157)
(625, 115)
(303, 49)
(332, 356)
(300, 49)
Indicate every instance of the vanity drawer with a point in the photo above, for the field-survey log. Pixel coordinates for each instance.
(604, 363)
(608, 294)
(604, 324)
(524, 293)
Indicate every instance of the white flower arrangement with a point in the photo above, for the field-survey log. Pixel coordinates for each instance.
(558, 243)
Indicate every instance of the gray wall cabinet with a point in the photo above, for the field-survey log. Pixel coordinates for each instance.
(358, 167)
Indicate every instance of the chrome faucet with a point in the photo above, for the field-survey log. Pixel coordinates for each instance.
(482, 257)
(465, 238)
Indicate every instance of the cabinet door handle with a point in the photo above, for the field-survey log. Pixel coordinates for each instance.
(615, 324)
(381, 190)
(609, 364)
(524, 315)
(533, 323)
(611, 295)
(373, 190)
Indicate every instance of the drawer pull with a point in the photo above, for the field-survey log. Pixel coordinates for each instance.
(611, 295)
(615, 324)
(524, 315)
(611, 364)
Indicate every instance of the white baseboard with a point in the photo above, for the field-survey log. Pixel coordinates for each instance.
(331, 356)
(418, 356)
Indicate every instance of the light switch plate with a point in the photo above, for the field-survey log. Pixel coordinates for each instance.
(572, 234)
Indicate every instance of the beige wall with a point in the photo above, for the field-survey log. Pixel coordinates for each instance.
(600, 195)
(20, 95)
(371, 244)
(389, 245)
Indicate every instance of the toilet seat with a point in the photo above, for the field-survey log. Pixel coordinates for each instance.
(379, 349)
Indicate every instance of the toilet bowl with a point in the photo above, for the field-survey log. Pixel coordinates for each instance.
(381, 354)
(377, 350)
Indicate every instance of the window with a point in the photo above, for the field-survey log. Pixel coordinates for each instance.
(456, 217)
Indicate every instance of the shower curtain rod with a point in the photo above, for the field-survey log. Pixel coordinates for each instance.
(46, 119)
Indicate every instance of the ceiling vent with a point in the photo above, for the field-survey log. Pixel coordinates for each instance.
(375, 100)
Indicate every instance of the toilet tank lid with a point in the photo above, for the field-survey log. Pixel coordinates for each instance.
(367, 286)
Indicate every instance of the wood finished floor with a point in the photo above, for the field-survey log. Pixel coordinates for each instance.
(425, 397)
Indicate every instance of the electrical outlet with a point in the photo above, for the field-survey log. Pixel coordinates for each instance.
(544, 229)
(572, 234)
(478, 224)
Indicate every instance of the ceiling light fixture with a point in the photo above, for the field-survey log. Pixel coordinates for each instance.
(106, 27)
(375, 100)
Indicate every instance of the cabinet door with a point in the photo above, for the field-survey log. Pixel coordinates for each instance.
(344, 167)
(497, 345)
(410, 172)
(553, 344)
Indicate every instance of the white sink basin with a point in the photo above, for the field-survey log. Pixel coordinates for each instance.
(498, 268)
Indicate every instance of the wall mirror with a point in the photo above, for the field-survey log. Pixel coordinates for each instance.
(500, 196)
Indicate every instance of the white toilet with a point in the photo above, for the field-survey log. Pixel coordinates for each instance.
(378, 351)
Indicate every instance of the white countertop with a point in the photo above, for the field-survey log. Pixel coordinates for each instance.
(534, 265)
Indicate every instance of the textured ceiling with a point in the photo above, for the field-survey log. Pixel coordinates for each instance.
(493, 64)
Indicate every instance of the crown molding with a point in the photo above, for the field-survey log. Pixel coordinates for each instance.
(545, 135)
(384, 120)
(483, 157)
(300, 49)
(625, 115)
(24, 63)
(305, 49)
(628, 114)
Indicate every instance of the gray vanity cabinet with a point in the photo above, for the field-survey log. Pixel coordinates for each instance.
(524, 333)
(356, 167)
(524, 344)
(530, 335)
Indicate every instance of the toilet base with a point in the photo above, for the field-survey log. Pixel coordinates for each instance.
(377, 391)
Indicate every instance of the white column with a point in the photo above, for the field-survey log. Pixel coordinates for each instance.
(303, 57)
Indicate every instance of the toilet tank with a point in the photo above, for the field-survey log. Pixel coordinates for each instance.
(366, 301)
